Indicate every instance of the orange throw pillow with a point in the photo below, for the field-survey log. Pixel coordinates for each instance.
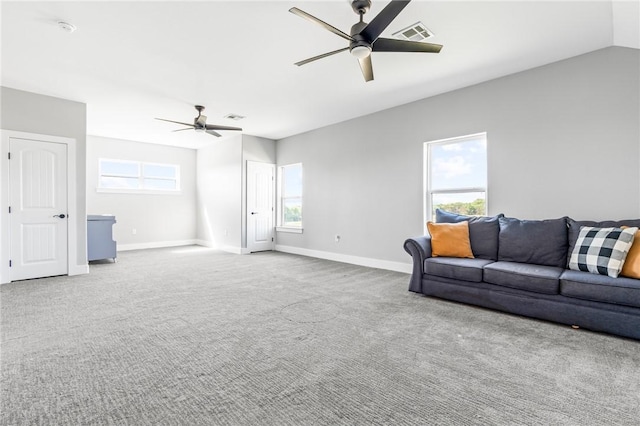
(450, 239)
(631, 266)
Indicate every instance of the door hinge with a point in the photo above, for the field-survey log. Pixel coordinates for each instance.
(9, 264)
(9, 209)
(9, 155)
(271, 239)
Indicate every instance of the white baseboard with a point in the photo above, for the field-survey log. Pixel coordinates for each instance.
(345, 258)
(228, 249)
(156, 244)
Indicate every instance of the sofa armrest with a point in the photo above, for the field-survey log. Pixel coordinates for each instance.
(420, 249)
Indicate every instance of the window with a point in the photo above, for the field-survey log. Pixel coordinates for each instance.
(135, 176)
(290, 202)
(456, 175)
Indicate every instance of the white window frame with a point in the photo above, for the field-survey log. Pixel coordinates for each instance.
(140, 165)
(429, 192)
(280, 226)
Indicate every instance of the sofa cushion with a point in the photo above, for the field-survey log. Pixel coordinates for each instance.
(601, 250)
(574, 228)
(456, 268)
(523, 276)
(450, 239)
(539, 242)
(483, 232)
(600, 288)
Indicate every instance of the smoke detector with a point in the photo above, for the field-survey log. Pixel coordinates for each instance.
(67, 27)
(415, 32)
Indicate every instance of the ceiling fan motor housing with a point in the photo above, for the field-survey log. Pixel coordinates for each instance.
(358, 40)
(201, 120)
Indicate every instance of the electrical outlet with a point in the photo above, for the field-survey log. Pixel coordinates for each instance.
(134, 231)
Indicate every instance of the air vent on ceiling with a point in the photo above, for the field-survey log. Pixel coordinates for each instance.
(235, 117)
(415, 32)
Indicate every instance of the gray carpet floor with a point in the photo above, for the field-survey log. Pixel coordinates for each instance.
(192, 336)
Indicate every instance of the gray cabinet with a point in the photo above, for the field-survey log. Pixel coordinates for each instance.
(100, 244)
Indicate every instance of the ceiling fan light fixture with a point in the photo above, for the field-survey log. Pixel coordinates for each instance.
(361, 52)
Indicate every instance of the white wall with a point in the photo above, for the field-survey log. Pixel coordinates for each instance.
(46, 115)
(159, 219)
(563, 139)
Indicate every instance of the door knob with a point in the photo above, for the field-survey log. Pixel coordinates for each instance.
(61, 216)
(254, 212)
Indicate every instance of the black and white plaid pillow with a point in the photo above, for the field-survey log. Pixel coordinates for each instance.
(601, 250)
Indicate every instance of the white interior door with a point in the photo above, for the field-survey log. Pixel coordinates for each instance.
(38, 209)
(260, 206)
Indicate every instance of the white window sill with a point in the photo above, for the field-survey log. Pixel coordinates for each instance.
(139, 191)
(289, 229)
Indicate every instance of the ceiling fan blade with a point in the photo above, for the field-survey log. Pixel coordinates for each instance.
(382, 20)
(180, 130)
(216, 127)
(214, 133)
(177, 122)
(324, 55)
(367, 68)
(392, 45)
(323, 24)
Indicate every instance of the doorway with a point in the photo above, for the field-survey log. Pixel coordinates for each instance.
(260, 206)
(38, 202)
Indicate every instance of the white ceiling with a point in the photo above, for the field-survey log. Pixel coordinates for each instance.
(133, 61)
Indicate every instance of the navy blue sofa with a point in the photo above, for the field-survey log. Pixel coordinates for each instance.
(520, 267)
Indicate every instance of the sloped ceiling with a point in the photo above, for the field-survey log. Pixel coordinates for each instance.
(133, 61)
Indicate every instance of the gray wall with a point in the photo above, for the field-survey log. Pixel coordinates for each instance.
(33, 113)
(563, 139)
(219, 186)
(221, 216)
(159, 219)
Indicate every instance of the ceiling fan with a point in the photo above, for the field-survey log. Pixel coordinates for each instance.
(365, 37)
(200, 124)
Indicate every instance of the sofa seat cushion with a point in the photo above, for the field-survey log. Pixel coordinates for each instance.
(524, 276)
(456, 268)
(600, 288)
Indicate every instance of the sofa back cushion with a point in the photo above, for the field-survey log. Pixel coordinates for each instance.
(539, 242)
(574, 228)
(483, 232)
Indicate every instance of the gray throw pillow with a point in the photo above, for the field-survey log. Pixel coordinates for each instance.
(539, 242)
(575, 225)
(483, 232)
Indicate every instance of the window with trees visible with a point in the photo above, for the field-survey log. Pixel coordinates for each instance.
(136, 176)
(290, 202)
(456, 175)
